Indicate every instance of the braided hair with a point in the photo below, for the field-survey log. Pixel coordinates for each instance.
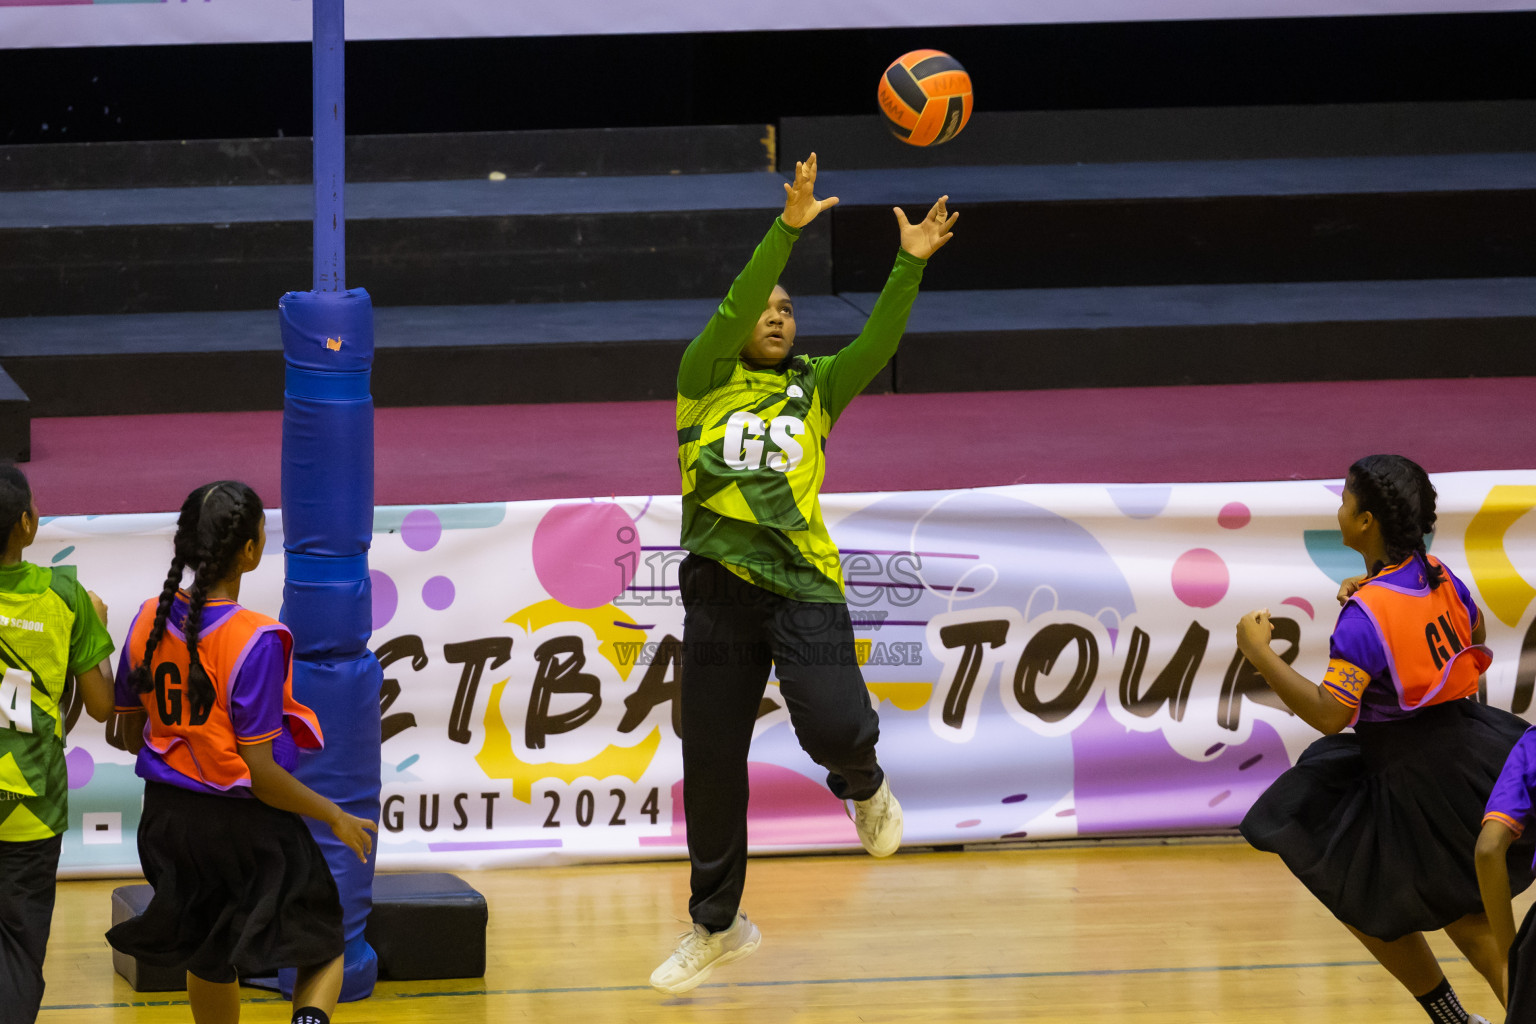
(1398, 493)
(215, 523)
(15, 499)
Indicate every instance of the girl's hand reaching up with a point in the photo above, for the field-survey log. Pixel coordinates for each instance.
(800, 205)
(928, 235)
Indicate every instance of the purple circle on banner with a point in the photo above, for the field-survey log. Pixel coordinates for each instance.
(386, 598)
(1233, 516)
(80, 765)
(585, 554)
(421, 529)
(437, 593)
(1200, 578)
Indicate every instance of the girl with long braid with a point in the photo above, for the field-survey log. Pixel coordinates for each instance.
(1381, 824)
(204, 697)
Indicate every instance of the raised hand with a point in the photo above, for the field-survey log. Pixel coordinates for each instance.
(800, 206)
(928, 235)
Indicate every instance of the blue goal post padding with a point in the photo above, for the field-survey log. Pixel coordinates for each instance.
(327, 480)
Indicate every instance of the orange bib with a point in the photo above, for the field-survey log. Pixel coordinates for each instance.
(204, 747)
(1427, 636)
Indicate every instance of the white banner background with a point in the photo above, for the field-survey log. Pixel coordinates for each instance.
(28, 23)
(1105, 698)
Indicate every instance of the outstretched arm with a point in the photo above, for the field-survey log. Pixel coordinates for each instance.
(275, 787)
(1493, 845)
(1312, 702)
(710, 357)
(849, 372)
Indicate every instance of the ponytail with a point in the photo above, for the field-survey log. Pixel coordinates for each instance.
(200, 691)
(143, 676)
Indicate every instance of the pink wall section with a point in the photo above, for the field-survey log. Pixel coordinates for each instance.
(97, 465)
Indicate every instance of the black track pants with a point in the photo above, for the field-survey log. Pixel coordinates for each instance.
(733, 633)
(27, 885)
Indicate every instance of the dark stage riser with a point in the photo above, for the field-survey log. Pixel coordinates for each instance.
(1325, 224)
(1209, 240)
(710, 149)
(565, 257)
(434, 372)
(58, 271)
(995, 137)
(846, 142)
(1224, 354)
(1029, 339)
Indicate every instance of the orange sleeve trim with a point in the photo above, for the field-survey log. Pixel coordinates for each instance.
(1344, 697)
(247, 741)
(1505, 820)
(129, 709)
(1347, 680)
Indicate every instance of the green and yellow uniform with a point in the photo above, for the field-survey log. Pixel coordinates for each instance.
(752, 443)
(48, 632)
(762, 586)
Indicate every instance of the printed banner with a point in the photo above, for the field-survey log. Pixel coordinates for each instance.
(1047, 661)
(29, 23)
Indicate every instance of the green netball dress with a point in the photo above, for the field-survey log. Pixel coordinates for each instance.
(48, 631)
(752, 443)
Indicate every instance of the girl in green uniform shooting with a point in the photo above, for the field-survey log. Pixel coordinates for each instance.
(762, 584)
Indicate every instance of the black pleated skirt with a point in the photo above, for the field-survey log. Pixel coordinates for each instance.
(241, 888)
(1381, 824)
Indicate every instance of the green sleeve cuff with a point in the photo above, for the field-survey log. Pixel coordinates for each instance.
(93, 650)
(902, 256)
(778, 222)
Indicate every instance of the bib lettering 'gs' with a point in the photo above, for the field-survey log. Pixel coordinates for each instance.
(1427, 636)
(752, 449)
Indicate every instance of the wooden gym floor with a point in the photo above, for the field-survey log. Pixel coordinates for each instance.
(1142, 934)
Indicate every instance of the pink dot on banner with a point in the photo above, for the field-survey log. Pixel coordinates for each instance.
(1200, 578)
(585, 554)
(421, 529)
(437, 593)
(81, 766)
(386, 598)
(1303, 604)
(968, 823)
(1233, 516)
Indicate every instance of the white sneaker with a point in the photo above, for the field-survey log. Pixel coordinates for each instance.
(700, 952)
(878, 821)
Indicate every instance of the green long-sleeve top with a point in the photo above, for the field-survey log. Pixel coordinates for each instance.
(752, 442)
